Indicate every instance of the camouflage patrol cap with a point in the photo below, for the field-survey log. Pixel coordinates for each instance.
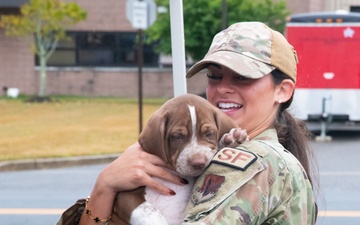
(250, 49)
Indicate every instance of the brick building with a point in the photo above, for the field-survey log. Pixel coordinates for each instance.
(100, 60)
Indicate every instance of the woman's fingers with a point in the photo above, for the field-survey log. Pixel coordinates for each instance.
(162, 173)
(159, 187)
(135, 168)
(154, 166)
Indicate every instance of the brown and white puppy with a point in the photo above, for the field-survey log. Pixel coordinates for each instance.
(185, 132)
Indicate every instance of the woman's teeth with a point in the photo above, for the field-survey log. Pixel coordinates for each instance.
(228, 106)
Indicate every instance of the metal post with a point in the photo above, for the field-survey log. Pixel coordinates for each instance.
(323, 119)
(323, 122)
(178, 47)
(140, 65)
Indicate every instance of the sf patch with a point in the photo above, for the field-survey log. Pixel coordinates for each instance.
(235, 158)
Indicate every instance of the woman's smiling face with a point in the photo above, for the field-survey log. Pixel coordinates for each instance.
(252, 103)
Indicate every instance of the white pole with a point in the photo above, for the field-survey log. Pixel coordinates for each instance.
(178, 47)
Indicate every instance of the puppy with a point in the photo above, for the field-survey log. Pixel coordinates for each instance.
(185, 133)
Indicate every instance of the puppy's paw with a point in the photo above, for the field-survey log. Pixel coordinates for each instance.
(235, 137)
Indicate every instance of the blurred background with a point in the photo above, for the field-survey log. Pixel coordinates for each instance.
(71, 89)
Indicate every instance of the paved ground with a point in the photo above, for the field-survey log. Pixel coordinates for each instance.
(39, 196)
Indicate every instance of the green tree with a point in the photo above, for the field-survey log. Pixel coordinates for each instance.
(202, 20)
(47, 21)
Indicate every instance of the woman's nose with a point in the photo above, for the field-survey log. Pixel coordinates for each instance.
(225, 86)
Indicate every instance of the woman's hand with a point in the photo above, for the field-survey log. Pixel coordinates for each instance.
(134, 168)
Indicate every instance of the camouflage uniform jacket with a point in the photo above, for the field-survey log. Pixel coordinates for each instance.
(72, 215)
(258, 182)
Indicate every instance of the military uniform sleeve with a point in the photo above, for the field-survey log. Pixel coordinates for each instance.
(73, 214)
(247, 205)
(296, 205)
(278, 194)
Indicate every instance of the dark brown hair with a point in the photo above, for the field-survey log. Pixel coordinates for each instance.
(294, 135)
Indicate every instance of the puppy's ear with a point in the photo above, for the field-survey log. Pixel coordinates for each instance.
(223, 122)
(152, 138)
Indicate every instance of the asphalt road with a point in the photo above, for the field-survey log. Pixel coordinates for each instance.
(39, 196)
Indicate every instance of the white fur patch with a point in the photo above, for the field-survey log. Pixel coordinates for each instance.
(182, 163)
(146, 214)
(193, 120)
(172, 208)
(192, 148)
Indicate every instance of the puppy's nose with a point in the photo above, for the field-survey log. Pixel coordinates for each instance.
(197, 162)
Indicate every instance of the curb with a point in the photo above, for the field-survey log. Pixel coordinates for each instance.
(50, 163)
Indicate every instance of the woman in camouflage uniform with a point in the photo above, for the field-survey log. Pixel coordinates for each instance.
(251, 72)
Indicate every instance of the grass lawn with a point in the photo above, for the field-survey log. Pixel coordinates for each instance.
(70, 126)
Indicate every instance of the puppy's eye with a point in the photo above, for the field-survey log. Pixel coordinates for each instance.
(177, 137)
(209, 134)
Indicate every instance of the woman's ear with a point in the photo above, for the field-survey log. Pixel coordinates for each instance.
(284, 90)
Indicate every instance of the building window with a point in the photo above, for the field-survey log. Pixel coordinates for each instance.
(355, 9)
(107, 49)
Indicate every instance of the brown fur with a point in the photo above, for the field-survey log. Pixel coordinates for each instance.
(125, 203)
(160, 137)
(155, 137)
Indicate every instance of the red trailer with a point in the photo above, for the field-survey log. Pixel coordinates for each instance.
(328, 80)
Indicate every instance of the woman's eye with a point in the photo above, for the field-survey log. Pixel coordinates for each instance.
(240, 78)
(214, 76)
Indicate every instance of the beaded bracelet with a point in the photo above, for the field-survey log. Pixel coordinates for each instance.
(96, 219)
